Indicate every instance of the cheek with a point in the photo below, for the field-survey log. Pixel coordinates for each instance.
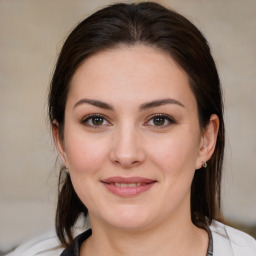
(86, 159)
(85, 154)
(175, 154)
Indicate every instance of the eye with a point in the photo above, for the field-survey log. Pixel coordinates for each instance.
(160, 120)
(95, 121)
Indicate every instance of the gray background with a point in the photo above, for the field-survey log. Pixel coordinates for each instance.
(31, 34)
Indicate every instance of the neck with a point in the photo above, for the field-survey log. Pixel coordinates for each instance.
(172, 238)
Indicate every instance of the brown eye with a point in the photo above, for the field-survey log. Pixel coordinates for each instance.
(95, 121)
(159, 121)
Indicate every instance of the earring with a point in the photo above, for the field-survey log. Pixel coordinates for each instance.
(204, 164)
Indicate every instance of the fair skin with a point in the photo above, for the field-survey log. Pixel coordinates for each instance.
(132, 143)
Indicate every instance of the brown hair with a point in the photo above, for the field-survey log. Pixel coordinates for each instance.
(149, 24)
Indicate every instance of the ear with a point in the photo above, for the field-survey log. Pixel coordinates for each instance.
(208, 141)
(59, 142)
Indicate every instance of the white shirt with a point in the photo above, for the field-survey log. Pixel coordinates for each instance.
(227, 241)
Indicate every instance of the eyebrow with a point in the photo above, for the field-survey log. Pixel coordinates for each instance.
(96, 103)
(144, 106)
(157, 103)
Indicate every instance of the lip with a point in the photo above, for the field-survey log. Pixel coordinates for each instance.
(128, 186)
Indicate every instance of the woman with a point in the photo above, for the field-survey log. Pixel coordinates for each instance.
(137, 117)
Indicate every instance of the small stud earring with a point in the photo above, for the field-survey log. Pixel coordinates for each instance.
(204, 164)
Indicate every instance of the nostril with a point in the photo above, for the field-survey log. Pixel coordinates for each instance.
(127, 154)
(126, 163)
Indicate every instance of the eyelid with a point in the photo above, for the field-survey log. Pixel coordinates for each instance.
(169, 118)
(88, 117)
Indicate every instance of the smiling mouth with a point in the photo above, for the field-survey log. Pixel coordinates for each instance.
(128, 187)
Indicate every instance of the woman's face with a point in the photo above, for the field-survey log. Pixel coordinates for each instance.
(132, 140)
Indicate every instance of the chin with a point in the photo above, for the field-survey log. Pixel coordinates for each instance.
(130, 219)
(130, 225)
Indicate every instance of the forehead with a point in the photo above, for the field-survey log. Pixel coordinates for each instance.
(140, 72)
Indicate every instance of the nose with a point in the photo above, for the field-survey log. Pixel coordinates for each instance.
(127, 148)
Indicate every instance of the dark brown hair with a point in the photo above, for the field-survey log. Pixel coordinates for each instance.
(153, 25)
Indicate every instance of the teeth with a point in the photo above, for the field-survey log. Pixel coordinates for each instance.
(127, 185)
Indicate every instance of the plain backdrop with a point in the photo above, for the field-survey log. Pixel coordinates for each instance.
(31, 35)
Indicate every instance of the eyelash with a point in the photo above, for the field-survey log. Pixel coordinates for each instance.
(165, 117)
(86, 120)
